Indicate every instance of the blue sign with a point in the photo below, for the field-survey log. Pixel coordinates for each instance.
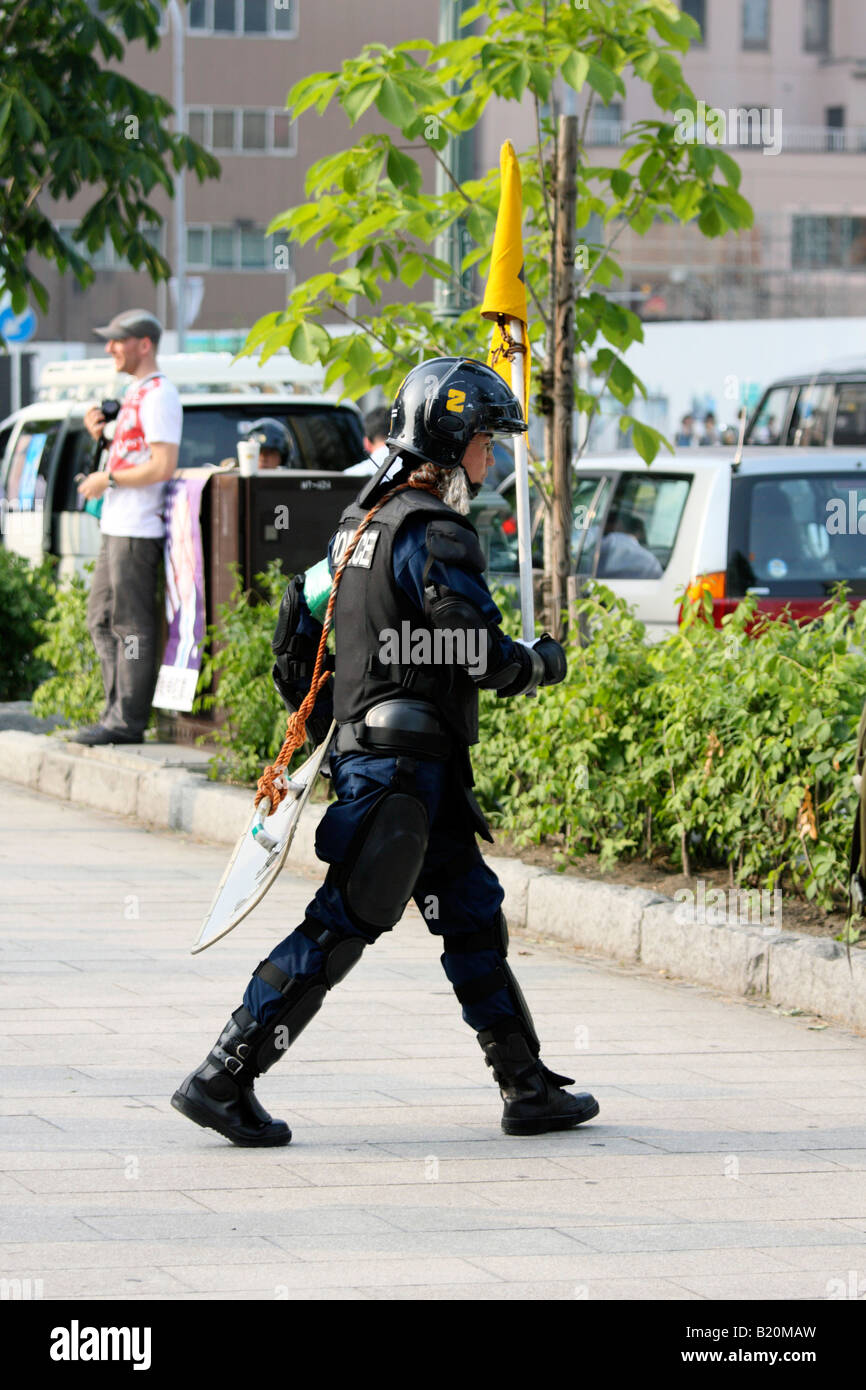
(17, 328)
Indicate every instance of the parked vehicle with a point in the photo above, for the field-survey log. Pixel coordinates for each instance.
(824, 409)
(44, 445)
(780, 524)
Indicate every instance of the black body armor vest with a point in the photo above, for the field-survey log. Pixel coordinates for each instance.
(370, 605)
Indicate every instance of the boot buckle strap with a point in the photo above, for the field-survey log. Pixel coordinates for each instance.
(233, 1064)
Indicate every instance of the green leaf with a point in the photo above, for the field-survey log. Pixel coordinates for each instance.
(394, 104)
(356, 100)
(620, 182)
(411, 269)
(308, 342)
(576, 68)
(604, 80)
(403, 170)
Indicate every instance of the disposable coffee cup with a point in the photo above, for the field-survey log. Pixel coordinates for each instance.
(248, 457)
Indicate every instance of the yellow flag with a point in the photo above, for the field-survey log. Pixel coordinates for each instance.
(505, 295)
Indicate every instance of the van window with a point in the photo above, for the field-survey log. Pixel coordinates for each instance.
(641, 527)
(851, 415)
(77, 455)
(27, 474)
(797, 535)
(811, 415)
(326, 438)
(770, 419)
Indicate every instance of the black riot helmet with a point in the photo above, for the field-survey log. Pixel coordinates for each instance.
(269, 433)
(442, 403)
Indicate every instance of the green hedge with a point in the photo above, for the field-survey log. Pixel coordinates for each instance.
(74, 690)
(25, 598)
(723, 749)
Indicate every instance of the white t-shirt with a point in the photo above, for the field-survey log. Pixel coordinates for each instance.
(367, 467)
(151, 413)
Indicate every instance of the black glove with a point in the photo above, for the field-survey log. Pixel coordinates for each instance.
(549, 666)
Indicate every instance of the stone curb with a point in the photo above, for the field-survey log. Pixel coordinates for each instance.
(633, 925)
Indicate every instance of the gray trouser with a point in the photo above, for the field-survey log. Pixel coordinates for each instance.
(122, 620)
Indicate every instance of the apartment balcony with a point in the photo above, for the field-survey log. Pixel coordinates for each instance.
(796, 139)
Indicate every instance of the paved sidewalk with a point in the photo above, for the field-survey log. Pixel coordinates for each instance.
(728, 1159)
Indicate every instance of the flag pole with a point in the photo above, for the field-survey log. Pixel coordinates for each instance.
(521, 481)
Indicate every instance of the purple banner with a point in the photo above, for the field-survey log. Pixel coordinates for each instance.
(184, 591)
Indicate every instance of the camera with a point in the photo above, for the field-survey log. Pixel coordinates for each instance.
(110, 409)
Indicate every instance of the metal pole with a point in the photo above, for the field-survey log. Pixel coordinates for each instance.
(452, 296)
(521, 482)
(14, 376)
(178, 99)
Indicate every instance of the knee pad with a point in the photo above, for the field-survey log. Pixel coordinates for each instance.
(383, 862)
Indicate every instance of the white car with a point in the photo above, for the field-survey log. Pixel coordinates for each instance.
(783, 523)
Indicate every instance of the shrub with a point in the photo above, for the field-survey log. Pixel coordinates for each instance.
(75, 689)
(238, 651)
(723, 749)
(25, 598)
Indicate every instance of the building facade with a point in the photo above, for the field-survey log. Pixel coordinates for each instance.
(241, 57)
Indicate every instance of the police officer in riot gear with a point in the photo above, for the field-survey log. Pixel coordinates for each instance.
(405, 821)
(276, 447)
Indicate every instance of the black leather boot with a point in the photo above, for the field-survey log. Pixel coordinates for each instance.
(534, 1100)
(219, 1095)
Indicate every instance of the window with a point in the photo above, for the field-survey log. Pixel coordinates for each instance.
(698, 11)
(641, 527)
(254, 249)
(222, 248)
(196, 247)
(770, 418)
(224, 16)
(285, 16)
(851, 416)
(223, 130)
(196, 126)
(816, 30)
(832, 242)
(756, 24)
(254, 130)
(105, 257)
(810, 417)
(27, 479)
(236, 248)
(282, 131)
(256, 18)
(266, 131)
(796, 534)
(606, 127)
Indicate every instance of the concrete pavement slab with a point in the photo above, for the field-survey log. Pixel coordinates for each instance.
(727, 1159)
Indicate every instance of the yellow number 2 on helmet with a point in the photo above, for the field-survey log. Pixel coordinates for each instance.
(456, 400)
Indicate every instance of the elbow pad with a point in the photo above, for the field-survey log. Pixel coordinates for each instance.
(475, 643)
(455, 543)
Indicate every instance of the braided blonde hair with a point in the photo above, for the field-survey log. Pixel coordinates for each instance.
(450, 483)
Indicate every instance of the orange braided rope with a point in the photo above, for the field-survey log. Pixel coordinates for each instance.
(296, 724)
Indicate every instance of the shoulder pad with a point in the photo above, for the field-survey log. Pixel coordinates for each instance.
(455, 544)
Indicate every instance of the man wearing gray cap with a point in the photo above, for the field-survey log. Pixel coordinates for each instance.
(121, 608)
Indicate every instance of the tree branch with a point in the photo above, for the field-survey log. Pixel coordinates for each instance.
(365, 327)
(12, 18)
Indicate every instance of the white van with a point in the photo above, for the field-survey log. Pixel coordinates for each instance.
(44, 445)
(783, 524)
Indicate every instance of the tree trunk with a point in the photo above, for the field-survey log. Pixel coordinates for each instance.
(563, 371)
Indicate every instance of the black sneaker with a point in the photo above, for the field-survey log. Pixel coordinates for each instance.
(97, 736)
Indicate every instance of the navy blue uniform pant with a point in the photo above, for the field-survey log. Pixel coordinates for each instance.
(455, 892)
